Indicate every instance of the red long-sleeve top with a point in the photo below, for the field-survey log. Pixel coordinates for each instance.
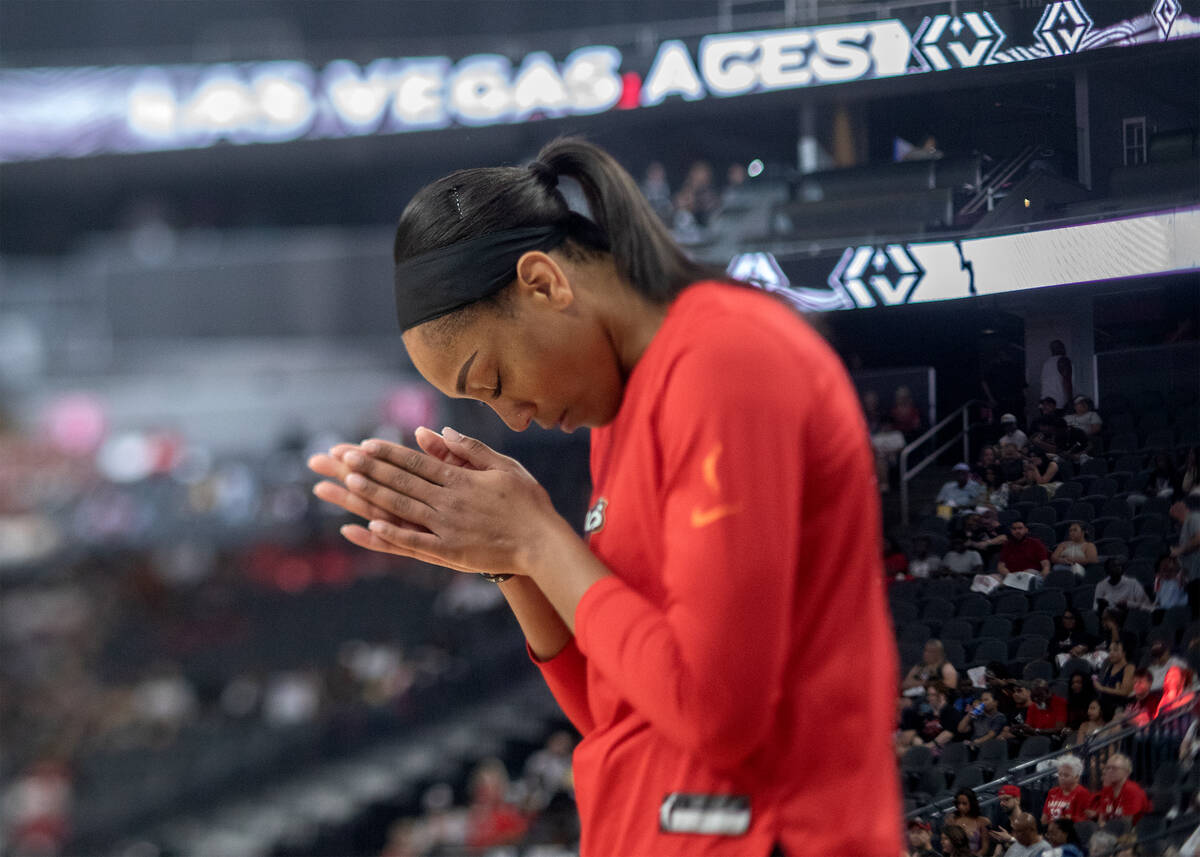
(735, 679)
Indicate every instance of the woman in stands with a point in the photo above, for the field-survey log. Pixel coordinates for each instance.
(734, 533)
(1077, 549)
(1188, 476)
(1094, 723)
(1081, 693)
(955, 842)
(1115, 682)
(967, 816)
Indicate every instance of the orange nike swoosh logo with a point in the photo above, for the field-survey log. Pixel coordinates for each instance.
(704, 517)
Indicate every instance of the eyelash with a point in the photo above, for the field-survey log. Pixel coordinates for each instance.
(496, 393)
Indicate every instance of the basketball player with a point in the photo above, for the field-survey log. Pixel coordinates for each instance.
(720, 636)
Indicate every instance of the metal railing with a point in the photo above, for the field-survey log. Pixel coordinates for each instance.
(997, 178)
(963, 414)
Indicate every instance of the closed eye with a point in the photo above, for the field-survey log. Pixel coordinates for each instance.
(496, 392)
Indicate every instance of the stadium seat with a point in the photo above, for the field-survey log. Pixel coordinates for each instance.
(1153, 420)
(1083, 596)
(1074, 665)
(1085, 829)
(953, 756)
(957, 629)
(1038, 670)
(1053, 602)
(1149, 525)
(1141, 570)
(1103, 486)
(974, 604)
(1040, 623)
(968, 777)
(1159, 439)
(1137, 622)
(1118, 827)
(955, 653)
(1148, 547)
(942, 587)
(1059, 579)
(1130, 463)
(1035, 494)
(1044, 533)
(1071, 490)
(1081, 510)
(915, 632)
(989, 649)
(936, 610)
(1007, 516)
(1033, 747)
(1118, 528)
(1047, 515)
(1030, 647)
(1011, 604)
(1094, 467)
(999, 627)
(903, 612)
(1112, 547)
(993, 756)
(1115, 507)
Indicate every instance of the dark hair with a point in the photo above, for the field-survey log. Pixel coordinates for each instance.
(1067, 826)
(960, 843)
(1142, 672)
(470, 203)
(972, 798)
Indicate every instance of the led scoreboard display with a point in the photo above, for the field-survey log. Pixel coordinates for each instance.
(74, 112)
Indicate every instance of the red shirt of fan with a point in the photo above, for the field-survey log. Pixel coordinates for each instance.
(1053, 716)
(1073, 806)
(735, 678)
(1131, 803)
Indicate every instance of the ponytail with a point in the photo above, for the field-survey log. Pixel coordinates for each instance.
(512, 202)
(644, 251)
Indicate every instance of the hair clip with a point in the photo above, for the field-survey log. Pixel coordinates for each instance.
(457, 201)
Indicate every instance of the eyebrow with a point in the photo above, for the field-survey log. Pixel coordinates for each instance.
(461, 386)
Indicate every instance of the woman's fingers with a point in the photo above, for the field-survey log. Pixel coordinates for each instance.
(412, 461)
(475, 452)
(434, 444)
(398, 503)
(335, 493)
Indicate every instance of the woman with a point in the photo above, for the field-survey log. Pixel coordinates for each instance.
(955, 842)
(1075, 550)
(1084, 417)
(1040, 470)
(933, 666)
(1071, 639)
(1081, 693)
(1114, 685)
(1067, 799)
(967, 816)
(1169, 586)
(1094, 723)
(687, 636)
(1188, 475)
(995, 489)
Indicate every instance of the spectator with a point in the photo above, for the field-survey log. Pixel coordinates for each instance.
(1009, 799)
(1071, 639)
(1112, 630)
(1116, 590)
(1144, 706)
(1048, 431)
(988, 457)
(904, 414)
(955, 841)
(1161, 662)
(1040, 470)
(1187, 478)
(658, 192)
(548, 771)
(871, 411)
(1114, 684)
(1023, 552)
(1011, 464)
(1160, 482)
(1024, 841)
(1012, 433)
(1169, 588)
(961, 492)
(970, 820)
(895, 563)
(492, 821)
(887, 442)
(1081, 693)
(1046, 713)
(1061, 834)
(1120, 796)
(1084, 417)
(941, 724)
(1095, 722)
(920, 839)
(1102, 844)
(1057, 375)
(921, 563)
(1015, 730)
(1187, 512)
(697, 197)
(932, 667)
(984, 721)
(983, 534)
(1068, 799)
(996, 492)
(1076, 550)
(961, 559)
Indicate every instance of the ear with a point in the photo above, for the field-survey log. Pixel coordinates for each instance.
(541, 279)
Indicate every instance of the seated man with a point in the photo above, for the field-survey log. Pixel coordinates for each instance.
(920, 839)
(1117, 590)
(1120, 797)
(941, 722)
(922, 563)
(1083, 416)
(1144, 706)
(1049, 431)
(1023, 552)
(961, 492)
(933, 666)
(960, 559)
(1011, 465)
(983, 721)
(1012, 432)
(1023, 841)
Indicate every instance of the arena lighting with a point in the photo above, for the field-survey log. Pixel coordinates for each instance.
(905, 273)
(75, 112)
(754, 168)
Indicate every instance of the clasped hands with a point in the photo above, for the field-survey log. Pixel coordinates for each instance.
(455, 502)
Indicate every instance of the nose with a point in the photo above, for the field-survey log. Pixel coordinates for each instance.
(516, 415)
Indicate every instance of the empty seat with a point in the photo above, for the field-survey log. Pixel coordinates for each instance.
(1043, 533)
(1047, 515)
(999, 627)
(1103, 486)
(1163, 438)
(1050, 602)
(1035, 494)
(1069, 491)
(957, 629)
(1112, 547)
(1060, 579)
(1039, 623)
(903, 612)
(1038, 669)
(990, 649)
(1034, 746)
(936, 609)
(1083, 595)
(993, 756)
(968, 777)
(1081, 510)
(1115, 507)
(1094, 467)
(1117, 528)
(955, 653)
(1149, 525)
(1031, 647)
(1012, 604)
(914, 632)
(974, 604)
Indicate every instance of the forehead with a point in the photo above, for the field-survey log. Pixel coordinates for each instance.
(439, 353)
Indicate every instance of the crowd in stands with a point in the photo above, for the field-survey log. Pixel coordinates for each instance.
(691, 209)
(1048, 610)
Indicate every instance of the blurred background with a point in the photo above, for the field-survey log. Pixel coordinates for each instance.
(196, 207)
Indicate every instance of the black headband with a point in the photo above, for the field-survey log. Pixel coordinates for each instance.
(441, 281)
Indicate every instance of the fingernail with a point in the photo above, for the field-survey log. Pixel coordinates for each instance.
(377, 526)
(451, 435)
(355, 458)
(371, 447)
(355, 482)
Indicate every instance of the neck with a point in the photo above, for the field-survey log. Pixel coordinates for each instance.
(632, 320)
